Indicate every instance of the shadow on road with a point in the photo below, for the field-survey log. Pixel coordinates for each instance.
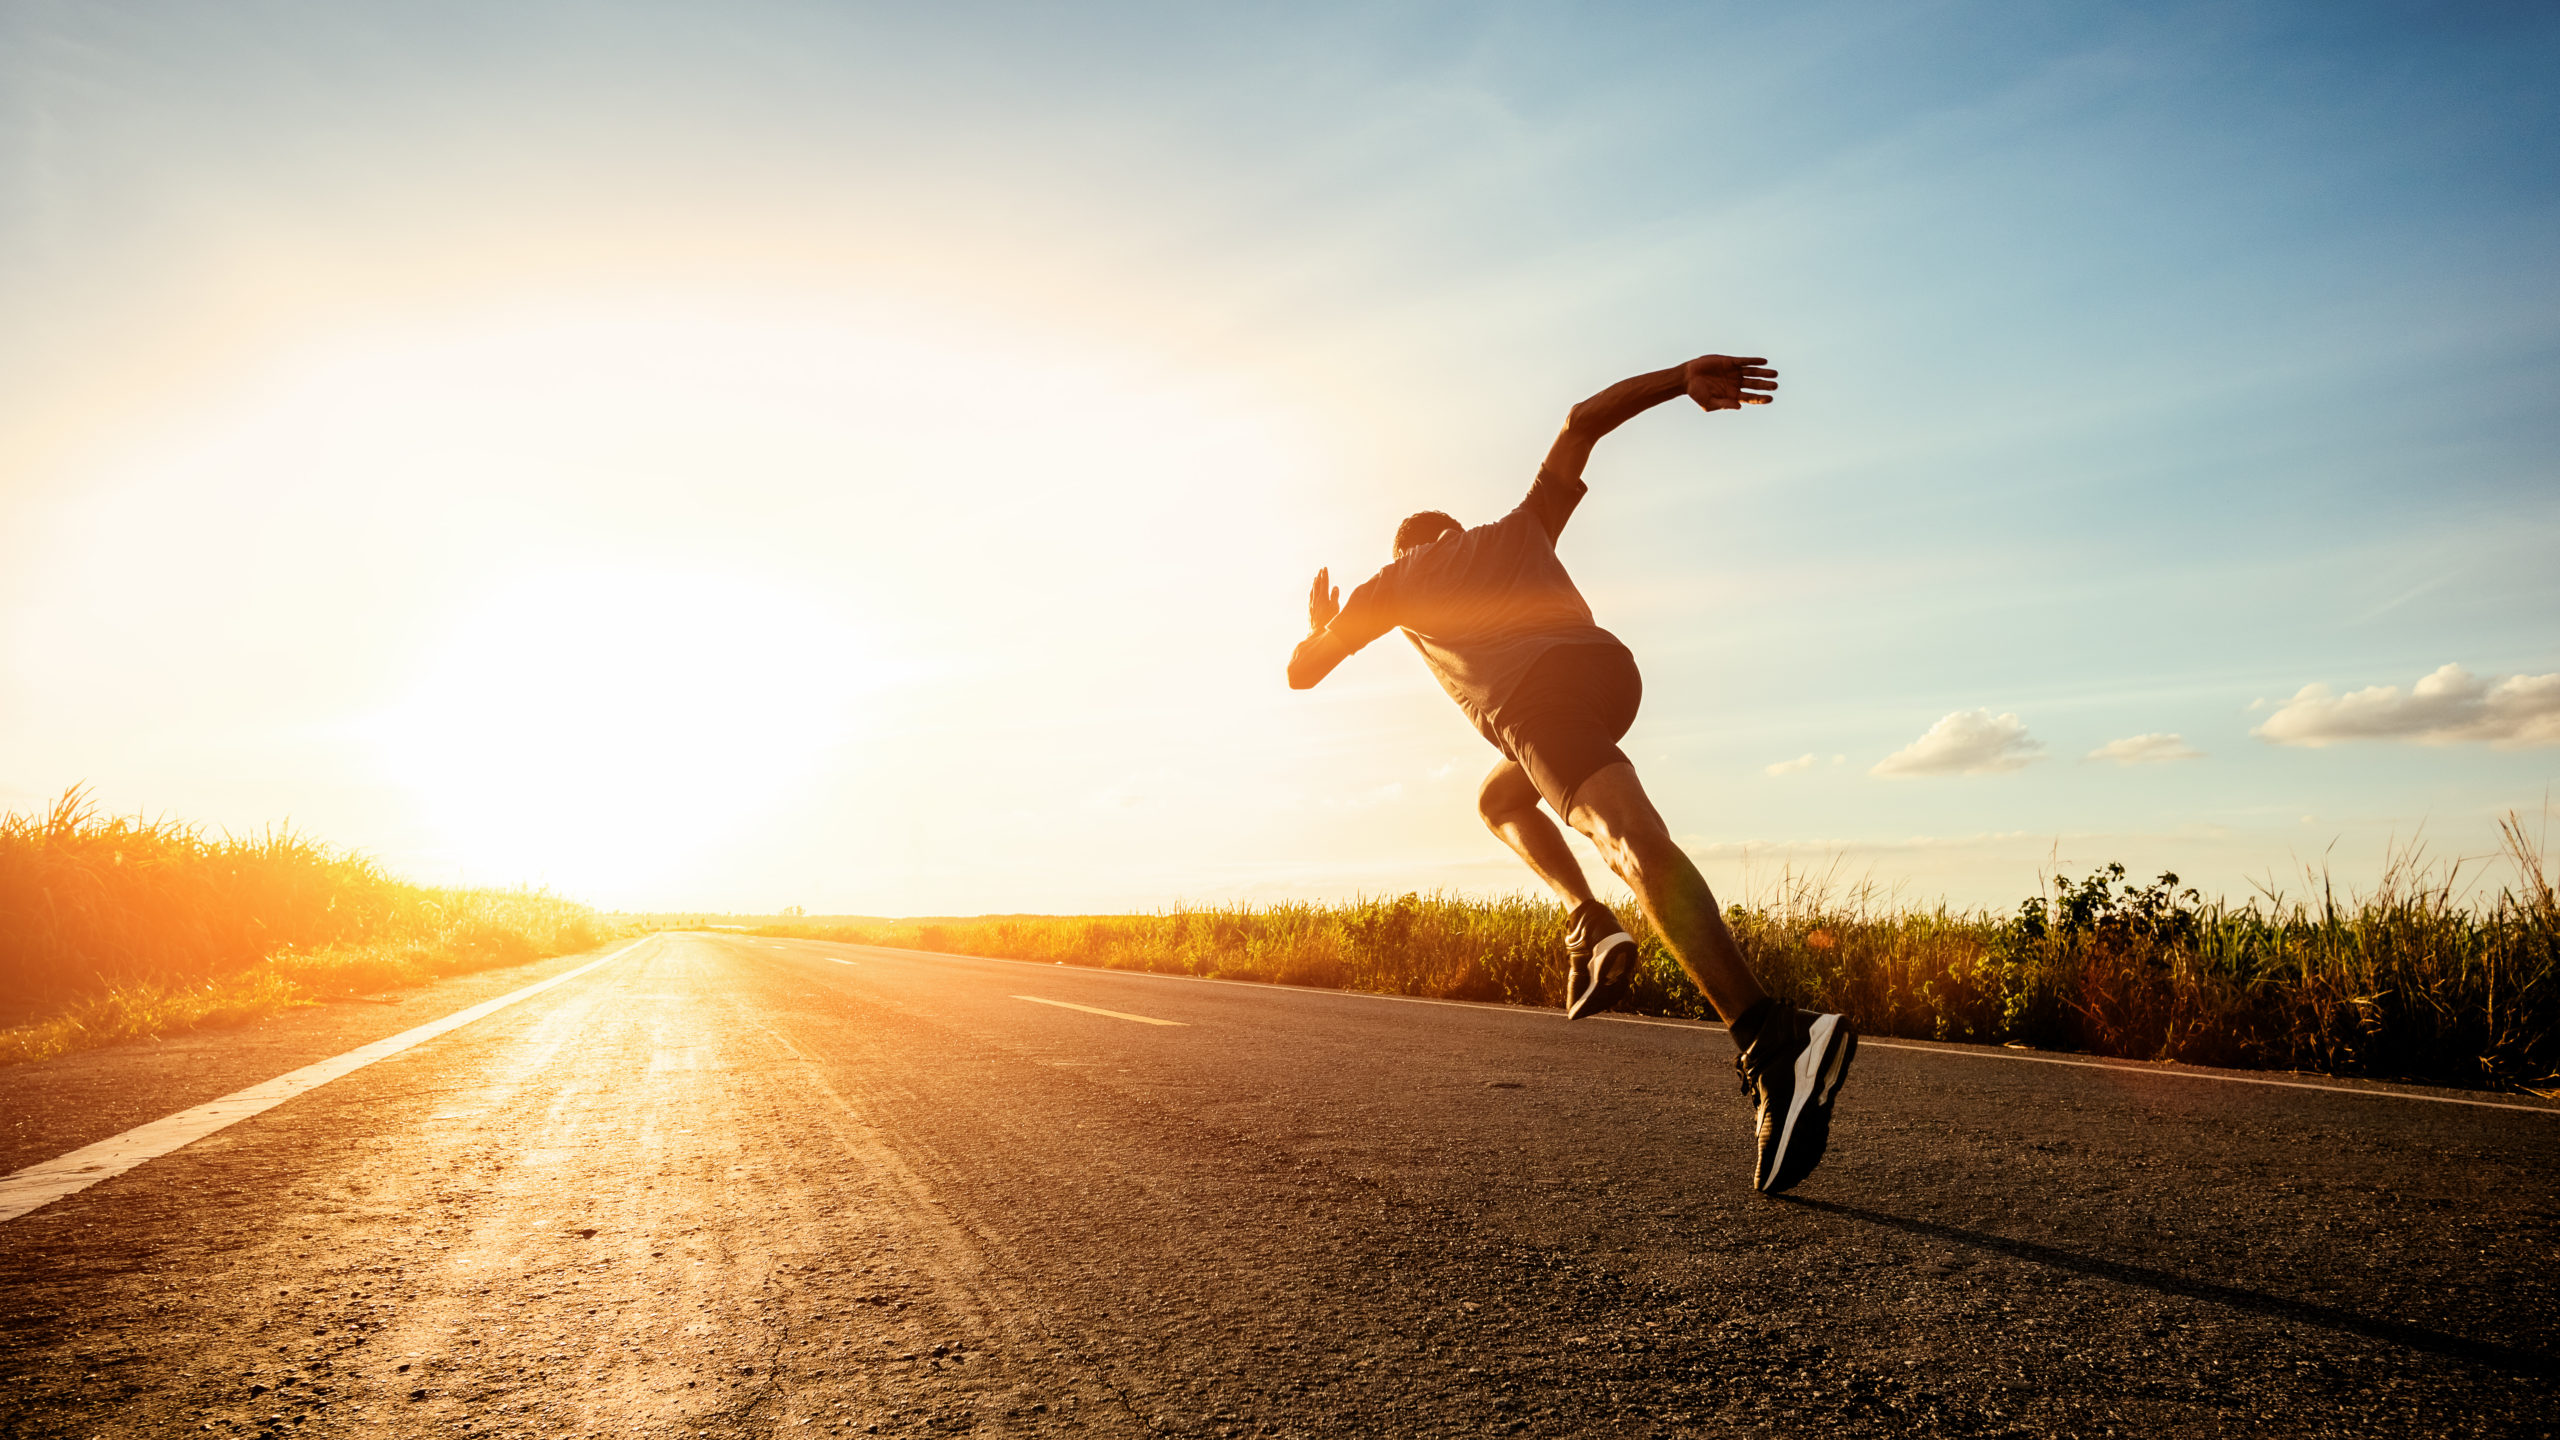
(2480, 1352)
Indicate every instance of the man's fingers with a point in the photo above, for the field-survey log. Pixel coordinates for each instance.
(1758, 399)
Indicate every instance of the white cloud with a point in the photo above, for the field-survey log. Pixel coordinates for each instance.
(1790, 767)
(1968, 742)
(2449, 707)
(2151, 749)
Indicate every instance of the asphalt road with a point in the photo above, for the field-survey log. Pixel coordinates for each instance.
(728, 1186)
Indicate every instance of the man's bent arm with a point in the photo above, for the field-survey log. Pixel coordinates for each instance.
(1586, 423)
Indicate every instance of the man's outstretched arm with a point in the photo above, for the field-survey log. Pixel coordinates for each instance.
(1716, 382)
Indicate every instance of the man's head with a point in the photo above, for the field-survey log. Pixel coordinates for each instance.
(1421, 528)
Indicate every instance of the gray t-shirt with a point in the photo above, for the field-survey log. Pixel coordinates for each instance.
(1482, 605)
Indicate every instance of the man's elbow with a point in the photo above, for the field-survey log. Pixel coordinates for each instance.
(1308, 663)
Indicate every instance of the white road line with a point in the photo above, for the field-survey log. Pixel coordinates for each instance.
(831, 957)
(2181, 1073)
(2171, 1072)
(47, 1181)
(1097, 1010)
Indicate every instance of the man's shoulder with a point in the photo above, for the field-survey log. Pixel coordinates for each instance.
(1523, 516)
(1551, 501)
(1529, 523)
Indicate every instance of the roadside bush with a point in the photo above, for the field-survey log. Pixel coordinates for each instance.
(114, 928)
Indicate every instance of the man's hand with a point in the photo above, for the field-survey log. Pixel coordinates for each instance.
(1729, 382)
(1323, 602)
(1316, 655)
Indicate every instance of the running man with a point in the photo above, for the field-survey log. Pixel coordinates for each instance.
(1509, 637)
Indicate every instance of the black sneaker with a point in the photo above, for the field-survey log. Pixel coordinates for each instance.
(1600, 958)
(1793, 1070)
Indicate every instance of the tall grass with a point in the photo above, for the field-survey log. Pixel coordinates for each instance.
(2420, 979)
(114, 928)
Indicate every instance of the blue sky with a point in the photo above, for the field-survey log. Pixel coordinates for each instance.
(870, 457)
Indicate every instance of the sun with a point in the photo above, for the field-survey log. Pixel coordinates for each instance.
(593, 725)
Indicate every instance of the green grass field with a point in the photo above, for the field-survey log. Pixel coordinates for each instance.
(2419, 978)
(116, 929)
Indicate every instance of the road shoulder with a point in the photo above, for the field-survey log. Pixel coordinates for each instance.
(52, 1107)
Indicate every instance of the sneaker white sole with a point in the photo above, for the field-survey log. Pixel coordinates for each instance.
(1581, 1005)
(1819, 1067)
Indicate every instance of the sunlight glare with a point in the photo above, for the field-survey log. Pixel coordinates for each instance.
(583, 590)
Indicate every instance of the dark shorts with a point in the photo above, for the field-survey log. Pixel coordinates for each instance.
(1564, 722)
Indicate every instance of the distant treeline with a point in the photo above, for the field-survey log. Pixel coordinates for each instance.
(116, 929)
(2411, 981)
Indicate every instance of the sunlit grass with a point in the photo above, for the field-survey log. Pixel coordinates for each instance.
(117, 929)
(2420, 978)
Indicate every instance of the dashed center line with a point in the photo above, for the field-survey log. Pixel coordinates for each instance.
(1960, 1052)
(1098, 1010)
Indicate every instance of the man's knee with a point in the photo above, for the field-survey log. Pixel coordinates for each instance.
(1505, 793)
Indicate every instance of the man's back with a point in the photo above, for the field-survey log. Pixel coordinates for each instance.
(1483, 605)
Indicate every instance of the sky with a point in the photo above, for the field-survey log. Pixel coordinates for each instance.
(871, 458)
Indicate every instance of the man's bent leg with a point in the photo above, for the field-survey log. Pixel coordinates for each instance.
(1612, 808)
(1509, 804)
(1600, 957)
